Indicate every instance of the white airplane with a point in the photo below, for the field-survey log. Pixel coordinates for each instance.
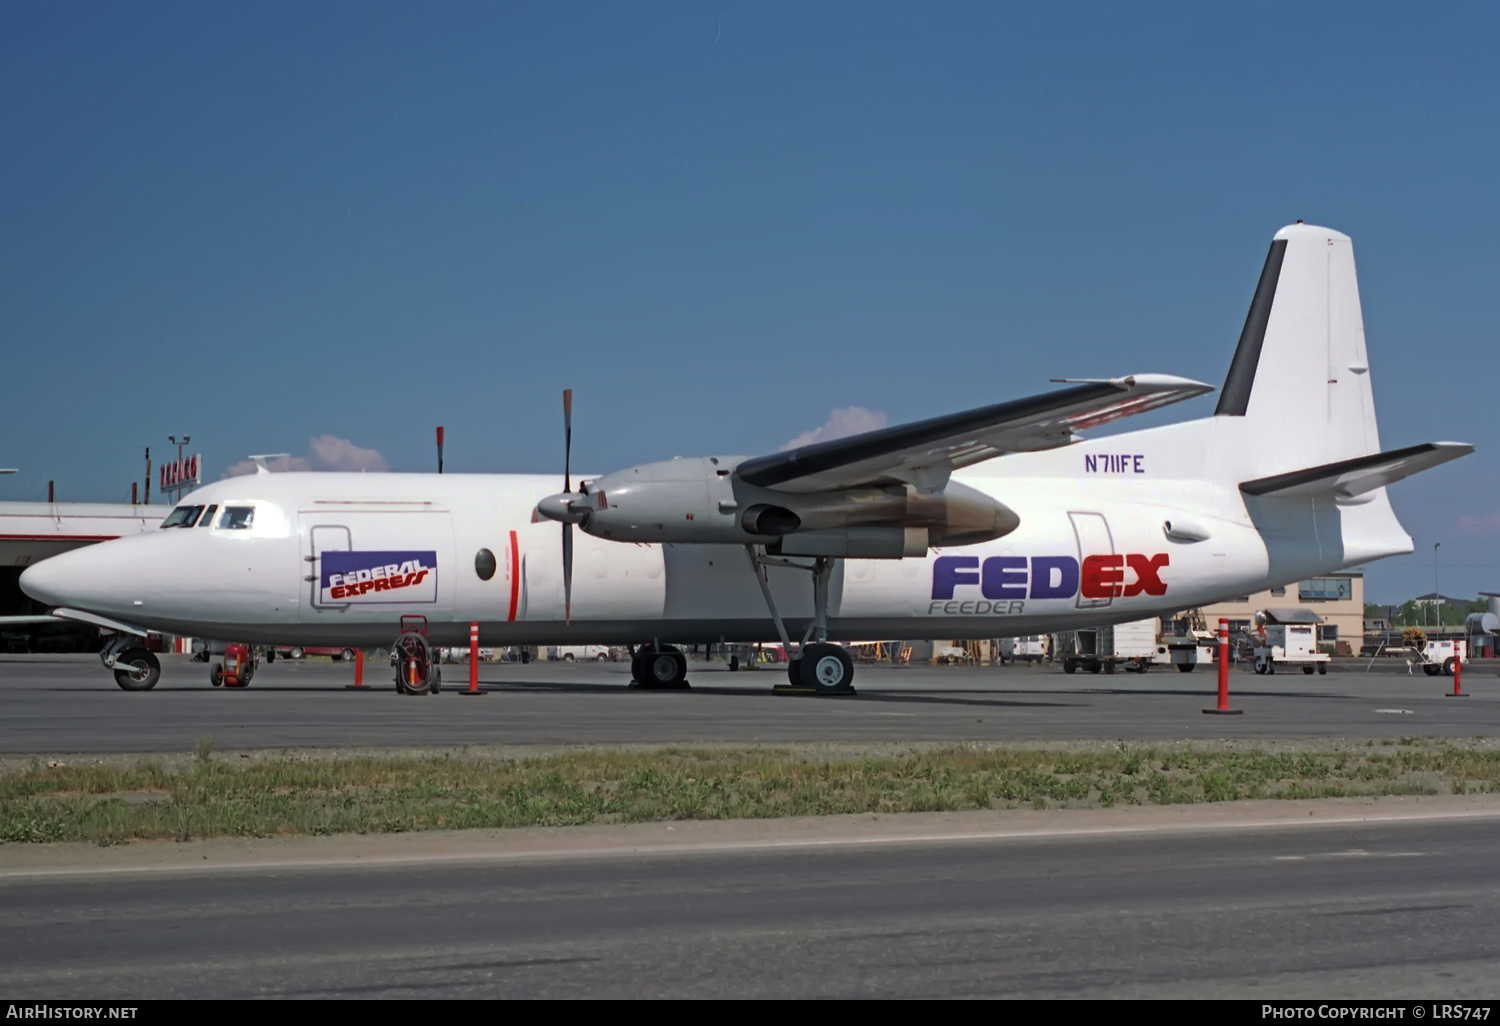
(993, 522)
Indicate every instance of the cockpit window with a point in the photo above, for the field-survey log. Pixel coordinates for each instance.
(183, 516)
(208, 516)
(236, 518)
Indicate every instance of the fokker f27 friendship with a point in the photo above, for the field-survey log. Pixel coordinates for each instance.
(988, 523)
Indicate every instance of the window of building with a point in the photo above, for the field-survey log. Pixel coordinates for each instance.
(1326, 588)
(1279, 592)
(1328, 632)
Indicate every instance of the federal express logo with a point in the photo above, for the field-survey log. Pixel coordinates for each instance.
(1005, 582)
(377, 578)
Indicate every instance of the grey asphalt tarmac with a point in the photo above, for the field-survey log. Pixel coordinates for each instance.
(57, 704)
(1392, 910)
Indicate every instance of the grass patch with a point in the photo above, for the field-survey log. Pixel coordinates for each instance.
(208, 796)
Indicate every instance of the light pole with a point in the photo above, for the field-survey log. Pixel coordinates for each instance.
(185, 440)
(1436, 613)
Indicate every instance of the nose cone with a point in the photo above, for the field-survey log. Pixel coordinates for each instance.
(88, 578)
(561, 507)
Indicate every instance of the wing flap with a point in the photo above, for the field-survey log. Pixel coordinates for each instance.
(927, 451)
(1347, 479)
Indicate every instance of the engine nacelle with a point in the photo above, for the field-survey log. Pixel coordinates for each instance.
(701, 501)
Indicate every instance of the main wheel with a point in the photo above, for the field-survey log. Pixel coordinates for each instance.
(665, 667)
(1185, 667)
(137, 670)
(827, 669)
(794, 671)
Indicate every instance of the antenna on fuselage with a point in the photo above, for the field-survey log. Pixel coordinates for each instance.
(260, 461)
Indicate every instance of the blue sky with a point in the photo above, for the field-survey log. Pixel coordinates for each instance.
(717, 223)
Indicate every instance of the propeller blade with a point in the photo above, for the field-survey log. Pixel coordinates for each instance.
(567, 573)
(567, 439)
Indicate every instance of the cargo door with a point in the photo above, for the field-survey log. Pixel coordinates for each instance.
(369, 562)
(1102, 573)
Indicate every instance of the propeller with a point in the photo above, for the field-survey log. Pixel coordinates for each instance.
(560, 507)
(567, 527)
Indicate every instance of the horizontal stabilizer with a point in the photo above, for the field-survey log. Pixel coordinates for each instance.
(1349, 478)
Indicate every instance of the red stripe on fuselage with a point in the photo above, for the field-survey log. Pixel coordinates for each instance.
(515, 574)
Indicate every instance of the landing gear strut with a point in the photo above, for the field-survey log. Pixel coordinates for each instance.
(815, 666)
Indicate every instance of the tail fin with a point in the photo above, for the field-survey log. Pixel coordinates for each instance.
(1300, 376)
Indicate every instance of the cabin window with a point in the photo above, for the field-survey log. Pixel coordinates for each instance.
(485, 565)
(236, 518)
(208, 516)
(183, 516)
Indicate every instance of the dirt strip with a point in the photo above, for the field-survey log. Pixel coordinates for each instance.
(20, 862)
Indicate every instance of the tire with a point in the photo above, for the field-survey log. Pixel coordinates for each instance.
(347, 655)
(216, 675)
(663, 668)
(794, 671)
(734, 664)
(1094, 667)
(827, 669)
(1185, 667)
(1432, 671)
(1070, 666)
(567, 657)
(1322, 668)
(296, 652)
(137, 670)
(602, 657)
(1308, 670)
(1448, 667)
(247, 675)
(435, 680)
(270, 655)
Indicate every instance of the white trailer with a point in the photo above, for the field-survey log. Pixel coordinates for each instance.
(1438, 655)
(1106, 648)
(1029, 648)
(1290, 644)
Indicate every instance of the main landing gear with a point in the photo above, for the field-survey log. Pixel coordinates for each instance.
(135, 667)
(658, 667)
(815, 667)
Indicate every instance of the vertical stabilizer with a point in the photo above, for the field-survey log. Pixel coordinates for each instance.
(1300, 377)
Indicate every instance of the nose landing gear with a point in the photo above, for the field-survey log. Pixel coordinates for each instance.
(659, 667)
(135, 667)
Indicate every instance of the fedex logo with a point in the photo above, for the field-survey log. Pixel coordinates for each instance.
(1051, 577)
(369, 578)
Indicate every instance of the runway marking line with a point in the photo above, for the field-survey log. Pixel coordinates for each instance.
(666, 846)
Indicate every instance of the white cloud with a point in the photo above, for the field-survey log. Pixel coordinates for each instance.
(327, 452)
(1480, 526)
(842, 422)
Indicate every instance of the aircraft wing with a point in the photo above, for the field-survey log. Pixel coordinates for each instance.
(1348, 478)
(927, 451)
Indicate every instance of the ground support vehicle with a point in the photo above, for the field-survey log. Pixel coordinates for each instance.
(235, 669)
(1290, 644)
(1132, 645)
(1437, 656)
(579, 653)
(1030, 648)
(1186, 651)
